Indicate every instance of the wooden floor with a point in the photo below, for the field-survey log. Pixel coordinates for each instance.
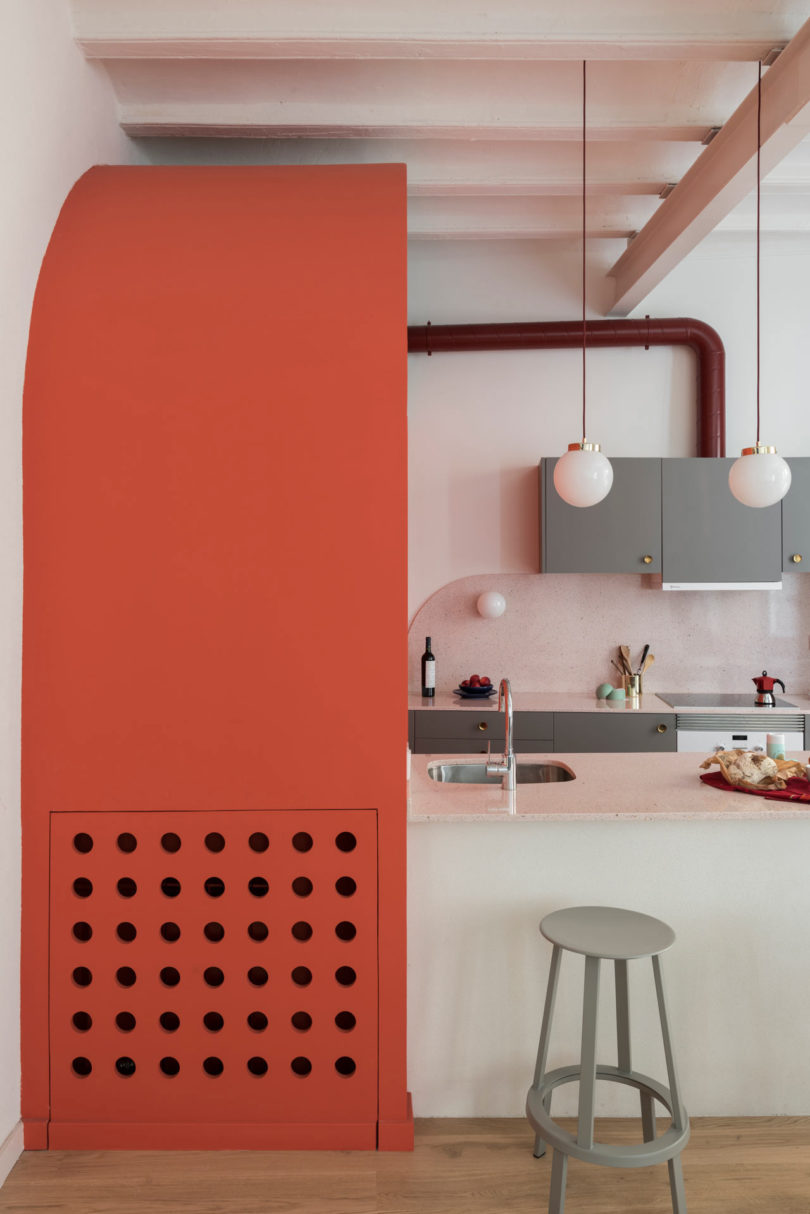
(732, 1166)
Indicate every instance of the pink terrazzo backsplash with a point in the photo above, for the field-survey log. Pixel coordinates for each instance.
(559, 632)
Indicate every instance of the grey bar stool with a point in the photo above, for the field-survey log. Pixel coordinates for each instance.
(606, 933)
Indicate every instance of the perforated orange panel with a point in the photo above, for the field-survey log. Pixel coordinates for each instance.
(213, 968)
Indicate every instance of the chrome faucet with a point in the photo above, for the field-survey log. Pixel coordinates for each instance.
(506, 768)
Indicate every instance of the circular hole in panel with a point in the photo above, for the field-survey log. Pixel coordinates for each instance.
(258, 887)
(82, 887)
(345, 1021)
(214, 887)
(169, 1066)
(169, 1021)
(170, 931)
(257, 1066)
(213, 1021)
(345, 930)
(170, 841)
(301, 1066)
(125, 1021)
(345, 886)
(83, 842)
(345, 1066)
(302, 886)
(257, 930)
(302, 841)
(82, 975)
(169, 976)
(125, 976)
(127, 888)
(126, 931)
(214, 976)
(125, 1066)
(345, 975)
(258, 841)
(301, 976)
(82, 931)
(345, 841)
(301, 1021)
(82, 1021)
(257, 1021)
(257, 975)
(126, 842)
(302, 930)
(82, 1066)
(214, 931)
(214, 841)
(213, 1066)
(170, 886)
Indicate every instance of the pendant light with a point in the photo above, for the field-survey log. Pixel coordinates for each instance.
(759, 477)
(583, 476)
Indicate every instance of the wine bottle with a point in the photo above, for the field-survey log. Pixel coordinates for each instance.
(428, 670)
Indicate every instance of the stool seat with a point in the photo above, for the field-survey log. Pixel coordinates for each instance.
(607, 932)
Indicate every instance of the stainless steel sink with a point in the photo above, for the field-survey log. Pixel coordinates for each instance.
(476, 773)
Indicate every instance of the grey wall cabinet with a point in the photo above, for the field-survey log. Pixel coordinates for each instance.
(796, 519)
(467, 731)
(621, 534)
(581, 732)
(708, 536)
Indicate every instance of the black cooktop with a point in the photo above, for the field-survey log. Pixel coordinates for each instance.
(710, 700)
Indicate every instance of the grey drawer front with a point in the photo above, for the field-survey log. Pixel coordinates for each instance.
(534, 725)
(462, 723)
(598, 731)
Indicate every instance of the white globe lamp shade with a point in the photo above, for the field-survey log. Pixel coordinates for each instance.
(583, 476)
(759, 477)
(491, 605)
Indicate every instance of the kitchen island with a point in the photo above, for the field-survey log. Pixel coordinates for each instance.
(728, 871)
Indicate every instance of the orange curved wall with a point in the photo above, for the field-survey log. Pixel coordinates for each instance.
(215, 526)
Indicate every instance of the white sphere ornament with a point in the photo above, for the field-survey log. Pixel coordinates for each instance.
(491, 605)
(759, 477)
(583, 476)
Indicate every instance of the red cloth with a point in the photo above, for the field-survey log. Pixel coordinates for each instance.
(796, 790)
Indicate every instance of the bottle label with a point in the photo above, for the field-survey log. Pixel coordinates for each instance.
(430, 675)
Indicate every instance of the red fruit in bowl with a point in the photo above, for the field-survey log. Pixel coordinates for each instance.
(475, 680)
(465, 682)
(485, 682)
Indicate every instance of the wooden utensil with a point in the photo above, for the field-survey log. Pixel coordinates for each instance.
(648, 661)
(624, 650)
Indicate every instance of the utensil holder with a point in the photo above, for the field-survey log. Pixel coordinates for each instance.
(632, 685)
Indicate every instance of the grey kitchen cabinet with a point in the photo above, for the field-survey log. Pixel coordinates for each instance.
(584, 732)
(468, 730)
(620, 534)
(707, 535)
(796, 519)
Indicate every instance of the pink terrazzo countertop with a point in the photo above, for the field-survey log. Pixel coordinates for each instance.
(638, 787)
(573, 701)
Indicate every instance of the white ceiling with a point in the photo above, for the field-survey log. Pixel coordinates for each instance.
(483, 102)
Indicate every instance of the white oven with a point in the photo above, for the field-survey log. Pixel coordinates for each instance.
(704, 732)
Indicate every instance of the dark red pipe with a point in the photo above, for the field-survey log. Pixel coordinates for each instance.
(566, 334)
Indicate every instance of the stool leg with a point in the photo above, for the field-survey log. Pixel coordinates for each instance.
(559, 1172)
(545, 1034)
(676, 1185)
(587, 1080)
(622, 1016)
(648, 1116)
(678, 1111)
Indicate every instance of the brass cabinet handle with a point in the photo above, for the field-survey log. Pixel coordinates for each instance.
(482, 725)
(647, 559)
(661, 728)
(796, 558)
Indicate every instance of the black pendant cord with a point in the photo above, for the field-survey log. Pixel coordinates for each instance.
(584, 323)
(759, 146)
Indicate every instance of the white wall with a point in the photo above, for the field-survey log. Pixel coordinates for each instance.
(59, 120)
(478, 423)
